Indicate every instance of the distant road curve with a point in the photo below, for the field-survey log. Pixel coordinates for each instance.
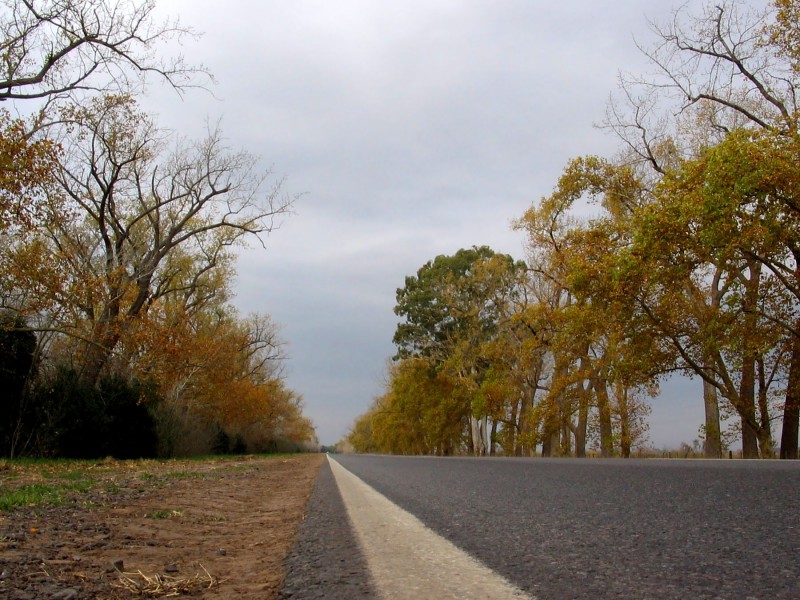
(561, 528)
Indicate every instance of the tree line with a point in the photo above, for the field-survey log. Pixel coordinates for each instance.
(117, 251)
(680, 254)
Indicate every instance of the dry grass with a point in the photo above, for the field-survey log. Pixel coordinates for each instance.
(165, 586)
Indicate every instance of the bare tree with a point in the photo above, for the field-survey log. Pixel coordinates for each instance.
(152, 217)
(51, 50)
(54, 47)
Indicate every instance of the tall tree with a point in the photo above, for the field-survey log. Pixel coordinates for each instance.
(450, 309)
(595, 336)
(138, 204)
(728, 68)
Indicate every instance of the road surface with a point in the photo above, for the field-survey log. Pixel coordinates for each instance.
(561, 528)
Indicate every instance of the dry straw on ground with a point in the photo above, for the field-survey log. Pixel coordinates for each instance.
(164, 585)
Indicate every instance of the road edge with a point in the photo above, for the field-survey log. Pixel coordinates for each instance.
(406, 558)
(326, 561)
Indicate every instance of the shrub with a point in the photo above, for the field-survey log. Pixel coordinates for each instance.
(17, 366)
(130, 428)
(71, 419)
(76, 420)
(224, 443)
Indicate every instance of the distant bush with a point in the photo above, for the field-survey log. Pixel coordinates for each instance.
(17, 367)
(75, 420)
(224, 443)
(129, 424)
(70, 419)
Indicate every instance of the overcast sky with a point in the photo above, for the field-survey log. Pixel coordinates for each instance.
(412, 128)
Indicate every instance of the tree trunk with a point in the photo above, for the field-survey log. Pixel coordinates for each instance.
(766, 445)
(748, 411)
(625, 440)
(550, 437)
(512, 441)
(97, 353)
(712, 447)
(584, 393)
(565, 448)
(523, 426)
(747, 386)
(604, 415)
(791, 410)
(583, 421)
(551, 444)
(555, 442)
(478, 427)
(551, 434)
(546, 453)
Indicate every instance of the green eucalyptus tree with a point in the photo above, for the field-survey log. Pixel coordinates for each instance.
(451, 309)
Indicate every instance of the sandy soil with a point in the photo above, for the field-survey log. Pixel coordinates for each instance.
(217, 529)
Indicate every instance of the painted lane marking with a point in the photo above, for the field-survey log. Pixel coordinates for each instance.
(408, 560)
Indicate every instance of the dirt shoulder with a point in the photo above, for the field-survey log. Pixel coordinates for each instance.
(217, 529)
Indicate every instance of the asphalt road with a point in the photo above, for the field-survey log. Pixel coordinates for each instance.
(607, 528)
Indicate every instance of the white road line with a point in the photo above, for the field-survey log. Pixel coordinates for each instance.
(407, 559)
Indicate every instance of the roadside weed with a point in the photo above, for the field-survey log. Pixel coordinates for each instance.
(164, 514)
(32, 494)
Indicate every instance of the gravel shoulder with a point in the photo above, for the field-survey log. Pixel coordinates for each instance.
(218, 529)
(326, 561)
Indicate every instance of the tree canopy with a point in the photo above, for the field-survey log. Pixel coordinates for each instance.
(117, 249)
(679, 254)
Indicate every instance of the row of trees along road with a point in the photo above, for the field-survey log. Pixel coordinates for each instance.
(117, 242)
(680, 254)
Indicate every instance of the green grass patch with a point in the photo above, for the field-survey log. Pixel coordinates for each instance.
(33, 494)
(79, 487)
(36, 481)
(43, 482)
(164, 514)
